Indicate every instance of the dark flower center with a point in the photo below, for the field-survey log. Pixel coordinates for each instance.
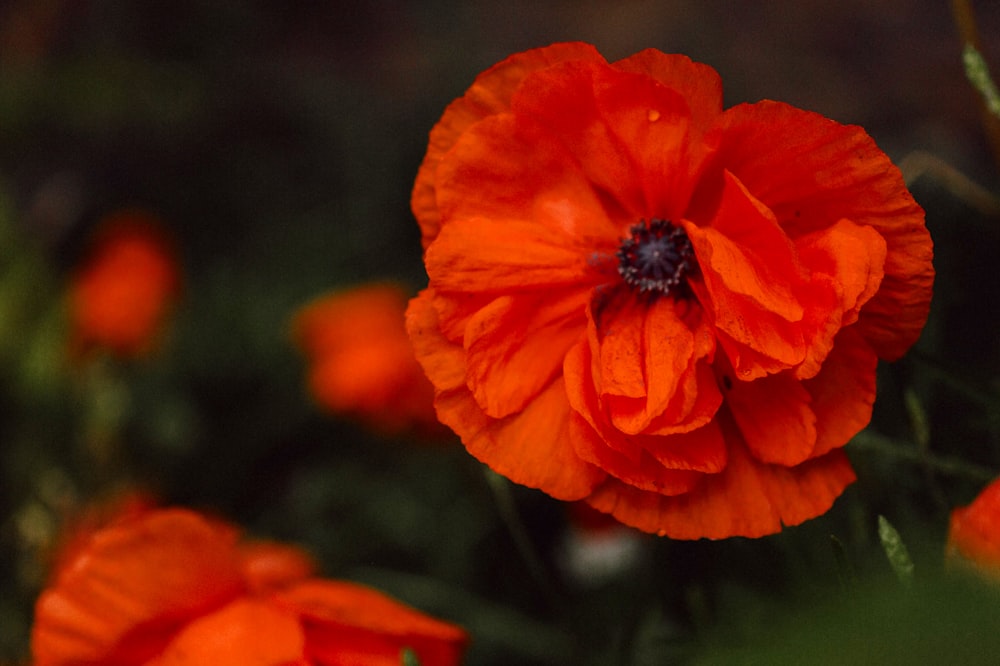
(656, 257)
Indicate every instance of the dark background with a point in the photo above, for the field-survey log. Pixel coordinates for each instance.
(280, 141)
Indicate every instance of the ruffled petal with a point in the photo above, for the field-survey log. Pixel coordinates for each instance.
(515, 347)
(702, 449)
(490, 94)
(630, 134)
(771, 313)
(651, 374)
(532, 447)
(679, 344)
(692, 406)
(640, 469)
(698, 84)
(133, 586)
(647, 460)
(811, 172)
(247, 632)
(775, 417)
(853, 255)
(972, 530)
(749, 498)
(268, 565)
(843, 392)
(485, 177)
(347, 623)
(442, 360)
(749, 276)
(620, 353)
(494, 255)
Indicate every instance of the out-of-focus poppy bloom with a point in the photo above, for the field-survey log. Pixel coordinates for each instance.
(974, 532)
(78, 528)
(171, 586)
(670, 310)
(361, 361)
(123, 290)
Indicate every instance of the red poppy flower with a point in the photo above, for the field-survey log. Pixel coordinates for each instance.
(974, 532)
(361, 360)
(171, 586)
(670, 310)
(122, 292)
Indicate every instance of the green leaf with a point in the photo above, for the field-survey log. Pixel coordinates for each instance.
(407, 657)
(895, 550)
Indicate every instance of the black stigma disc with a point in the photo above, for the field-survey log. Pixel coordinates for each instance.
(655, 258)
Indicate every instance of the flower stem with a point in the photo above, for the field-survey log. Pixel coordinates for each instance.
(867, 440)
(500, 488)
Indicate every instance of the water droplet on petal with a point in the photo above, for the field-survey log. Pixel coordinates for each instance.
(653, 115)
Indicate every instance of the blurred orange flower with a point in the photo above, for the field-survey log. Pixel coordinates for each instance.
(171, 586)
(974, 531)
(670, 310)
(361, 360)
(121, 293)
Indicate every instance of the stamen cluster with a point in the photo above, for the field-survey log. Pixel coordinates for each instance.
(656, 257)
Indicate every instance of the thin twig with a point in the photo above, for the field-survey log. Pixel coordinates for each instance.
(919, 163)
(965, 21)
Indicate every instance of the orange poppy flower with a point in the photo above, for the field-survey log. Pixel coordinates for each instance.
(120, 295)
(170, 586)
(974, 532)
(670, 310)
(361, 360)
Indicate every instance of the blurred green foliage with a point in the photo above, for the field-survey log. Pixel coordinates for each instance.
(280, 141)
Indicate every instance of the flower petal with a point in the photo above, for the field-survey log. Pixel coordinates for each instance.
(347, 623)
(853, 255)
(775, 417)
(442, 360)
(515, 346)
(706, 445)
(629, 133)
(682, 392)
(648, 460)
(650, 358)
(247, 632)
(748, 499)
(532, 447)
(489, 94)
(972, 530)
(641, 471)
(750, 278)
(698, 84)
(844, 391)
(486, 176)
(620, 349)
(269, 565)
(133, 586)
(519, 254)
(812, 172)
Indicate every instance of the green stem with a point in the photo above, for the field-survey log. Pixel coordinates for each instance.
(867, 440)
(974, 393)
(500, 487)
